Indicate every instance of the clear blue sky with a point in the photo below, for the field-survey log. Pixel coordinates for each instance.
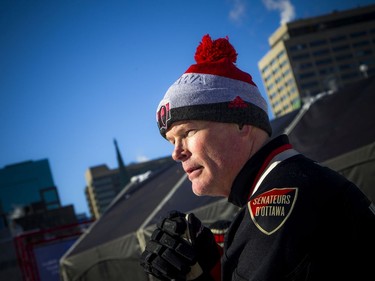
(75, 74)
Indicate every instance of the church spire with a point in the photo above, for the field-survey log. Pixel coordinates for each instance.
(123, 172)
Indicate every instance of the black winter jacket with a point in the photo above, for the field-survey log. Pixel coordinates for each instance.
(303, 222)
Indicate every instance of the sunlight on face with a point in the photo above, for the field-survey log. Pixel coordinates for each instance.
(210, 153)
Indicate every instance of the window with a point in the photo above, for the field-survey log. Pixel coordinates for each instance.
(346, 66)
(323, 61)
(327, 70)
(283, 63)
(360, 44)
(286, 72)
(305, 65)
(270, 86)
(344, 57)
(278, 79)
(272, 96)
(306, 75)
(298, 47)
(265, 68)
(309, 85)
(301, 56)
(281, 54)
(358, 34)
(321, 52)
(289, 82)
(363, 53)
(350, 75)
(318, 43)
(340, 48)
(338, 38)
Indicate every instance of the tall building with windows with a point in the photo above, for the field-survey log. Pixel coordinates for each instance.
(104, 184)
(319, 54)
(29, 201)
(25, 183)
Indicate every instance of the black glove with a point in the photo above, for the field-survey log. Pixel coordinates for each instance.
(181, 248)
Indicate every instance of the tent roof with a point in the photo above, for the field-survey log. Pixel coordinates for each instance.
(336, 123)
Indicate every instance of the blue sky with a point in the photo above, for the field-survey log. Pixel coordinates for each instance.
(75, 75)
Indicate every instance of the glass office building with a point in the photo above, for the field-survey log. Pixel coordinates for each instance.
(26, 183)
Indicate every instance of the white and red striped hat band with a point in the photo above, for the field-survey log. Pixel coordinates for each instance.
(214, 89)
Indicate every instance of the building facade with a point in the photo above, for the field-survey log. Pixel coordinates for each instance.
(26, 183)
(316, 55)
(103, 184)
(29, 201)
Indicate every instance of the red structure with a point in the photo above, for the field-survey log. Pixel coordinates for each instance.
(31, 245)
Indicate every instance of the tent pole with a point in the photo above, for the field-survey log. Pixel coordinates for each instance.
(164, 201)
(140, 231)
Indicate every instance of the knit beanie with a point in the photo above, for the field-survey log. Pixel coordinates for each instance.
(214, 89)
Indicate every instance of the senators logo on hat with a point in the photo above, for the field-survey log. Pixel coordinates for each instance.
(163, 115)
(270, 210)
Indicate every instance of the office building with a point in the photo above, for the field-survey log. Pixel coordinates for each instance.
(316, 55)
(104, 184)
(26, 183)
(29, 201)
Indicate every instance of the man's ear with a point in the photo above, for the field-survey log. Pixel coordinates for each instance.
(245, 129)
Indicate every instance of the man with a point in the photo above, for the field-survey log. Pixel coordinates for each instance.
(298, 220)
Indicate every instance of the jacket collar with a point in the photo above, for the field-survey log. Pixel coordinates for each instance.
(250, 173)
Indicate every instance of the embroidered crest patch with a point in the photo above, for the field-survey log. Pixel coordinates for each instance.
(271, 209)
(163, 116)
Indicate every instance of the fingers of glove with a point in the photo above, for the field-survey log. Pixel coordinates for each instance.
(195, 227)
(159, 268)
(207, 250)
(175, 243)
(175, 213)
(175, 223)
(161, 261)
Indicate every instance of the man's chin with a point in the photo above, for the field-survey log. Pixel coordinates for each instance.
(198, 191)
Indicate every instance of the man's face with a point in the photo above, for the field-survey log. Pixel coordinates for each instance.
(211, 154)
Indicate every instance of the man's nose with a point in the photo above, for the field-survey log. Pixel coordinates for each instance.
(179, 153)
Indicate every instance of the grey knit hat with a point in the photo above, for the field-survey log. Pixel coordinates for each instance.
(214, 89)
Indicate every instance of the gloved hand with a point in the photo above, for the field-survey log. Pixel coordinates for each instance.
(181, 248)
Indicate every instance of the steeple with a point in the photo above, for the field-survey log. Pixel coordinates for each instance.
(123, 172)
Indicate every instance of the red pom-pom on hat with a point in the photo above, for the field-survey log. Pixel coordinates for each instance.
(217, 57)
(211, 51)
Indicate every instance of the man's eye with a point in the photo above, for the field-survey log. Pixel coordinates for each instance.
(190, 133)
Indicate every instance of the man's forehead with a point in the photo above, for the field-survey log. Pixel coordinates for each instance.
(186, 123)
(191, 124)
(183, 125)
(180, 125)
